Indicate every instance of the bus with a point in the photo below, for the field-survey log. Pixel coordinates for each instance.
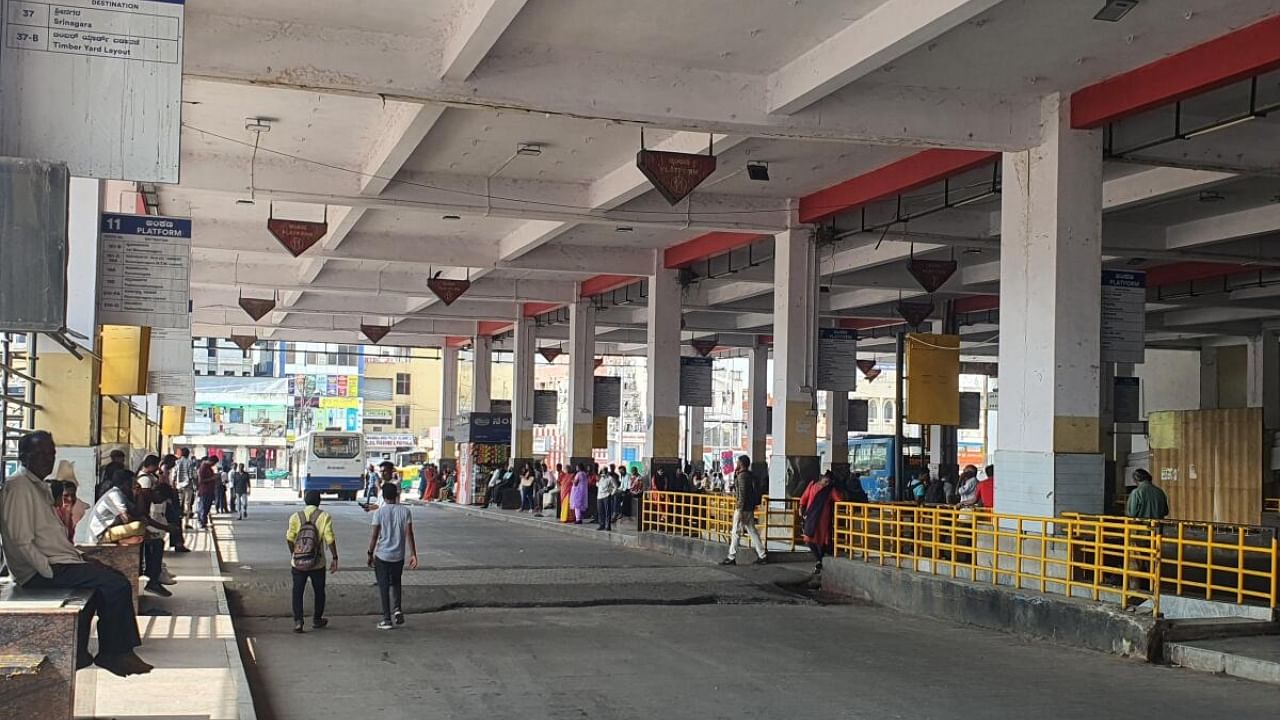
(331, 462)
(871, 456)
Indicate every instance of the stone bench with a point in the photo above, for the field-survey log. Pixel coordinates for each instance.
(38, 650)
(121, 558)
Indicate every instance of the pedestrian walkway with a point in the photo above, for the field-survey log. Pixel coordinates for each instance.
(190, 640)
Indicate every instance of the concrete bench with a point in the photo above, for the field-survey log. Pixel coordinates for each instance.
(121, 558)
(38, 650)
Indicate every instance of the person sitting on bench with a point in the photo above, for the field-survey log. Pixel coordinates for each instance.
(40, 556)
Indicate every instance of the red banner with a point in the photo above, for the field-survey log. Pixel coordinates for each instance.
(931, 274)
(375, 333)
(244, 342)
(297, 236)
(549, 353)
(675, 174)
(448, 290)
(257, 307)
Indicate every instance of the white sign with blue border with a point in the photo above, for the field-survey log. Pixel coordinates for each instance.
(144, 271)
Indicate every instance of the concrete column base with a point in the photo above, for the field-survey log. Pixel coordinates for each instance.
(1048, 484)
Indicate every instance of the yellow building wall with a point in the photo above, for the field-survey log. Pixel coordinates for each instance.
(68, 398)
(423, 398)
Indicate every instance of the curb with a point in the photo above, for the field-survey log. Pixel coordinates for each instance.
(244, 696)
(1221, 662)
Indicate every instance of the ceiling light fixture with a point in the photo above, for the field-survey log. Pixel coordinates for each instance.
(1115, 10)
(451, 217)
(1211, 196)
(624, 229)
(529, 149)
(1223, 126)
(758, 171)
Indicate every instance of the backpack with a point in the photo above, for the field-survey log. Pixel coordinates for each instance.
(755, 490)
(306, 546)
(935, 494)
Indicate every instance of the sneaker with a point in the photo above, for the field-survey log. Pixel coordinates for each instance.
(318, 623)
(398, 617)
(297, 627)
(167, 578)
(182, 548)
(385, 625)
(728, 561)
(158, 589)
(763, 561)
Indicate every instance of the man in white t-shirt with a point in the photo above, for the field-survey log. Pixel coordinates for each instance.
(606, 486)
(392, 526)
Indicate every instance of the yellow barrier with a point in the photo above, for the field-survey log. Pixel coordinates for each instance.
(1271, 504)
(1103, 559)
(710, 517)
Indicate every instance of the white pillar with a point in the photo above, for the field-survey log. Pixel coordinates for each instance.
(582, 369)
(1264, 377)
(448, 449)
(522, 392)
(696, 424)
(1049, 460)
(795, 327)
(758, 410)
(481, 374)
(662, 441)
(838, 432)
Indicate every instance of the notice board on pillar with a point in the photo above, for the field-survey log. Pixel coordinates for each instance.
(606, 395)
(1124, 316)
(858, 415)
(837, 360)
(933, 379)
(1210, 463)
(695, 381)
(96, 84)
(545, 405)
(144, 271)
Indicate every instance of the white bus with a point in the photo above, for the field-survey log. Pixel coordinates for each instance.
(331, 462)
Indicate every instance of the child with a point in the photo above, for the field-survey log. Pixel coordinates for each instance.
(392, 523)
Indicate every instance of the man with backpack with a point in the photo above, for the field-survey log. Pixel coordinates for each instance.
(747, 496)
(310, 531)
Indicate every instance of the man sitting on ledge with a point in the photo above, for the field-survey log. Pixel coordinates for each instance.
(40, 556)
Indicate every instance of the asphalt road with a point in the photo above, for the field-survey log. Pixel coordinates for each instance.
(545, 625)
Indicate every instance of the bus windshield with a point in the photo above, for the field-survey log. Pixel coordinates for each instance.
(341, 447)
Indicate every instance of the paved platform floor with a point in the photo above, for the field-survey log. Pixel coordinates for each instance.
(534, 650)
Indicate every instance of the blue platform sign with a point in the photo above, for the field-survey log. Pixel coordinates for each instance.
(144, 271)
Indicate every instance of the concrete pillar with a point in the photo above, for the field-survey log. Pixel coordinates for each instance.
(1209, 378)
(838, 433)
(522, 393)
(1263, 377)
(758, 410)
(582, 369)
(1049, 459)
(481, 374)
(795, 325)
(695, 421)
(447, 454)
(662, 442)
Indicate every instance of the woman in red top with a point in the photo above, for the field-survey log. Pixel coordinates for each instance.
(817, 508)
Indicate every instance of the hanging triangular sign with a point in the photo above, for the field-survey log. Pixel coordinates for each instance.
(931, 274)
(257, 308)
(297, 236)
(244, 342)
(872, 374)
(448, 290)
(375, 333)
(704, 346)
(915, 312)
(599, 362)
(675, 174)
(864, 366)
(549, 353)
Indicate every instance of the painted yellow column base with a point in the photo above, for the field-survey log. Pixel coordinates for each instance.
(801, 429)
(666, 436)
(448, 450)
(580, 440)
(523, 444)
(1075, 434)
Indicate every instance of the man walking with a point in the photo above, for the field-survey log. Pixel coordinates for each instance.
(240, 492)
(207, 483)
(1146, 501)
(40, 555)
(392, 524)
(746, 499)
(185, 482)
(310, 532)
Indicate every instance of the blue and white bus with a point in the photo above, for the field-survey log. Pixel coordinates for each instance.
(331, 462)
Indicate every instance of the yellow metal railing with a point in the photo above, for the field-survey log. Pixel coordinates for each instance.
(1271, 504)
(1231, 563)
(1103, 559)
(710, 517)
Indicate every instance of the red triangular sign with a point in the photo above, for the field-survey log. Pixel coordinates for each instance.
(872, 374)
(915, 312)
(297, 236)
(549, 353)
(675, 174)
(244, 342)
(864, 366)
(704, 346)
(931, 274)
(375, 333)
(257, 308)
(599, 362)
(448, 290)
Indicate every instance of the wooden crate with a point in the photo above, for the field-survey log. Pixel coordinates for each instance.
(1210, 463)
